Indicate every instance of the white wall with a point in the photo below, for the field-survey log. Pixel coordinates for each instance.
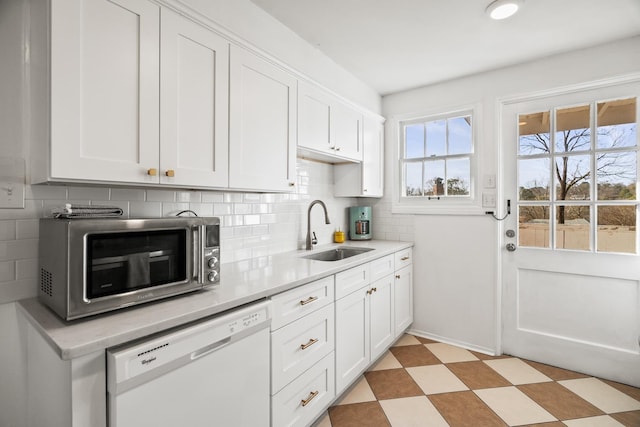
(456, 257)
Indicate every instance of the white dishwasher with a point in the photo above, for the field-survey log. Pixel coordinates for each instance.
(211, 373)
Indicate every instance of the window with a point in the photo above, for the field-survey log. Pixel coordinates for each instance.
(577, 174)
(436, 162)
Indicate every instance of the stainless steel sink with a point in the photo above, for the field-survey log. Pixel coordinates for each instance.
(337, 254)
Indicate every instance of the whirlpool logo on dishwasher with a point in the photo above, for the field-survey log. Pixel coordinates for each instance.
(148, 361)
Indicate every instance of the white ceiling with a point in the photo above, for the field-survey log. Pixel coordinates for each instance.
(395, 45)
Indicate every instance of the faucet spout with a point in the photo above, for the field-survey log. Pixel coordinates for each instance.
(311, 242)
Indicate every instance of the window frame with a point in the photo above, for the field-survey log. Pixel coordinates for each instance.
(444, 205)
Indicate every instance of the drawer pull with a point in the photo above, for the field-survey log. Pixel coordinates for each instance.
(372, 290)
(404, 258)
(311, 342)
(397, 276)
(308, 300)
(312, 395)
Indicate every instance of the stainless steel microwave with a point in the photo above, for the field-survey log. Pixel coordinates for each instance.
(90, 265)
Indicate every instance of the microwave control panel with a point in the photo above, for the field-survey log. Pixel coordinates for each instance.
(212, 265)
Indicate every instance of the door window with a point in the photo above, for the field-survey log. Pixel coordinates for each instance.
(577, 173)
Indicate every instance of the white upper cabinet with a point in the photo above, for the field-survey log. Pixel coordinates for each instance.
(193, 104)
(328, 129)
(104, 90)
(262, 124)
(365, 179)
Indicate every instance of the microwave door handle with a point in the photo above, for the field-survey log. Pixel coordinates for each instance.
(199, 234)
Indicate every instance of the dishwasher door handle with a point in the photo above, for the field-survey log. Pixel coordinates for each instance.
(210, 348)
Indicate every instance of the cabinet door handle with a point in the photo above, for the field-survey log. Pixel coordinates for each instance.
(370, 291)
(292, 184)
(397, 276)
(337, 148)
(170, 173)
(152, 172)
(404, 258)
(311, 342)
(308, 300)
(374, 289)
(312, 395)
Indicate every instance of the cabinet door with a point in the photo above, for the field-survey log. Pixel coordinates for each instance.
(382, 319)
(104, 90)
(314, 118)
(373, 159)
(352, 337)
(262, 132)
(403, 299)
(194, 104)
(346, 129)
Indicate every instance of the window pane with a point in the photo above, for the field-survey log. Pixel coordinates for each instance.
(573, 130)
(573, 227)
(533, 226)
(534, 131)
(533, 178)
(458, 177)
(459, 135)
(617, 174)
(617, 123)
(414, 141)
(413, 179)
(572, 178)
(436, 138)
(434, 178)
(617, 229)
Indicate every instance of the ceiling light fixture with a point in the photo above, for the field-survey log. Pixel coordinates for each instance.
(501, 9)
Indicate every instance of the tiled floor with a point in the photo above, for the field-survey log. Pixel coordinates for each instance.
(420, 382)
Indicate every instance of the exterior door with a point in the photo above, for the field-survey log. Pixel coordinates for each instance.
(570, 264)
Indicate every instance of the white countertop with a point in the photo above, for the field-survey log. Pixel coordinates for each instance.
(240, 283)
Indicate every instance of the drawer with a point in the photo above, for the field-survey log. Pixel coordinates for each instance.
(403, 258)
(292, 305)
(351, 280)
(299, 345)
(381, 267)
(299, 403)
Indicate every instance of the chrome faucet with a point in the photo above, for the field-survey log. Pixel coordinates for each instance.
(311, 242)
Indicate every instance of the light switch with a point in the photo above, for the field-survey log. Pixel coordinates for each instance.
(489, 181)
(488, 200)
(12, 177)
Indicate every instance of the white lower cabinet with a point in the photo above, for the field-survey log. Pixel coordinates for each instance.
(302, 357)
(403, 291)
(301, 401)
(364, 323)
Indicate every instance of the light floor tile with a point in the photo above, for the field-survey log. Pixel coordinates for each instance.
(436, 379)
(601, 421)
(516, 371)
(412, 412)
(361, 392)
(450, 354)
(388, 361)
(602, 395)
(407, 340)
(513, 406)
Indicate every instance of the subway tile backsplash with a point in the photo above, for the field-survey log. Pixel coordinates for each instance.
(253, 224)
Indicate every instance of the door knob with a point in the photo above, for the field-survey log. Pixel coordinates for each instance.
(511, 247)
(510, 233)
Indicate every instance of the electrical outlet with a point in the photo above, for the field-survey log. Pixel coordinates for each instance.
(488, 200)
(12, 178)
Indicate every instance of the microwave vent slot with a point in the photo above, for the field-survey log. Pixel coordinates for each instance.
(46, 282)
